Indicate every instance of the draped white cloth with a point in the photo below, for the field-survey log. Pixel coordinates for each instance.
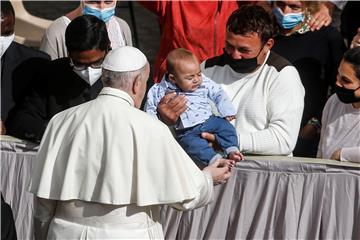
(104, 165)
(109, 152)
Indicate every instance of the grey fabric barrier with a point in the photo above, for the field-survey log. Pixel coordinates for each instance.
(268, 199)
(16, 161)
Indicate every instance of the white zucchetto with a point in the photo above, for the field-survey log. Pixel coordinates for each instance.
(124, 59)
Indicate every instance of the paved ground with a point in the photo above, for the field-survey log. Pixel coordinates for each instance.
(145, 24)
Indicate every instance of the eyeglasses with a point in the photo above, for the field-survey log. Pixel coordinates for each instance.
(81, 66)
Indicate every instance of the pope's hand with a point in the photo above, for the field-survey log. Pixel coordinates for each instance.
(220, 170)
(170, 107)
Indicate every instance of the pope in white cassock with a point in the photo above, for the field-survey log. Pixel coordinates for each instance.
(104, 167)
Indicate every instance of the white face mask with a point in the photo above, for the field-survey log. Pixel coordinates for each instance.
(5, 42)
(90, 75)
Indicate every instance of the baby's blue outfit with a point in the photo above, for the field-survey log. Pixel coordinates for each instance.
(199, 118)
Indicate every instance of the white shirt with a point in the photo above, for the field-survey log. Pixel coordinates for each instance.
(106, 151)
(340, 130)
(269, 103)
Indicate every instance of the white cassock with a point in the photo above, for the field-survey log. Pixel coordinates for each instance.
(103, 169)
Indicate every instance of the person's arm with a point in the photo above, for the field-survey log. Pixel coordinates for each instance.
(351, 154)
(220, 99)
(204, 197)
(43, 214)
(356, 40)
(324, 123)
(347, 154)
(216, 173)
(285, 104)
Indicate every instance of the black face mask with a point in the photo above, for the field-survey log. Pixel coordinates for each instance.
(244, 65)
(346, 95)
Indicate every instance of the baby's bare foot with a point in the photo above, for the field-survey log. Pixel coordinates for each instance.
(236, 156)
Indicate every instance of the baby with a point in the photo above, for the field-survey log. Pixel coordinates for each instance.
(184, 77)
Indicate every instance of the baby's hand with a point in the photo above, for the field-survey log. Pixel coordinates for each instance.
(230, 118)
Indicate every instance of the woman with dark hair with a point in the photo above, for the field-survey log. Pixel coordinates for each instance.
(340, 132)
(316, 55)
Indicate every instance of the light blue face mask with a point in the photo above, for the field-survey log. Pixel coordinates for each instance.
(104, 14)
(288, 21)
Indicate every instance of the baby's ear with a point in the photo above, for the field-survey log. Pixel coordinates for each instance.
(171, 78)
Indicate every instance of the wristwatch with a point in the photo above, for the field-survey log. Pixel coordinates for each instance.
(315, 122)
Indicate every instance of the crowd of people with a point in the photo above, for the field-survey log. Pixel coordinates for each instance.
(231, 79)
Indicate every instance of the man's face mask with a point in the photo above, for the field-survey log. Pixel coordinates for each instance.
(288, 21)
(346, 95)
(243, 65)
(90, 75)
(104, 14)
(5, 42)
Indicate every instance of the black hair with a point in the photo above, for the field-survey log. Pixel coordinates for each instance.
(352, 56)
(7, 8)
(252, 18)
(86, 32)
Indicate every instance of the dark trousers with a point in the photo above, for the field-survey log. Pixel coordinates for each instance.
(8, 231)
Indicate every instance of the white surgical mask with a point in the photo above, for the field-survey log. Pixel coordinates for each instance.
(5, 42)
(90, 75)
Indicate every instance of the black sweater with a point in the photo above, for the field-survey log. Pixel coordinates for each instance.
(316, 56)
(58, 88)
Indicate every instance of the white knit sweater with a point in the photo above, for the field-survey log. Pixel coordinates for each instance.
(269, 103)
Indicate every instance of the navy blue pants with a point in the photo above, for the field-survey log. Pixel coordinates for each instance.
(198, 148)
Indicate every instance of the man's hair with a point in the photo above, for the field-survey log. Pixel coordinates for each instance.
(251, 19)
(121, 80)
(175, 55)
(7, 8)
(86, 33)
(352, 56)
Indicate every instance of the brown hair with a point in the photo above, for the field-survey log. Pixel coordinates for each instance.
(178, 54)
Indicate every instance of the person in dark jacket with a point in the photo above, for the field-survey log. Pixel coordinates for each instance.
(8, 230)
(19, 65)
(65, 82)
